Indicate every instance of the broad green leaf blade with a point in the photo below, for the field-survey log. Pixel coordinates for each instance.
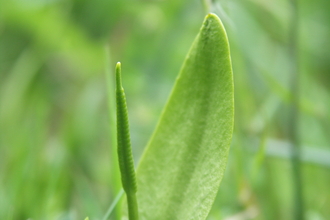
(181, 169)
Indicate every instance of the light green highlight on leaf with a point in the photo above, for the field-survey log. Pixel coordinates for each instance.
(182, 167)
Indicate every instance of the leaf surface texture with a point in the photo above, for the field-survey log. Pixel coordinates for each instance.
(180, 172)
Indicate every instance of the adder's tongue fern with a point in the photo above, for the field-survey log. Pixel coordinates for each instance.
(125, 156)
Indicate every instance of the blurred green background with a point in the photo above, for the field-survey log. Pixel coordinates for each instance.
(57, 57)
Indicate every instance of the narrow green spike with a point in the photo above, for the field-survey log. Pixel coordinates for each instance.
(125, 156)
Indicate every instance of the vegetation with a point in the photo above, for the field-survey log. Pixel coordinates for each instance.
(58, 155)
(182, 166)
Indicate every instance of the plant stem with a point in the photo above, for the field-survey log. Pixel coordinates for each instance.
(295, 113)
(132, 206)
(126, 163)
(206, 5)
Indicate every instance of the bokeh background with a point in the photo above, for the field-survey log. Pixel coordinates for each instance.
(57, 151)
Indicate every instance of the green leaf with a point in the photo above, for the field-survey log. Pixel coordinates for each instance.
(182, 167)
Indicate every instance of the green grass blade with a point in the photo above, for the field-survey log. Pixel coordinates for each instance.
(181, 170)
(113, 205)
